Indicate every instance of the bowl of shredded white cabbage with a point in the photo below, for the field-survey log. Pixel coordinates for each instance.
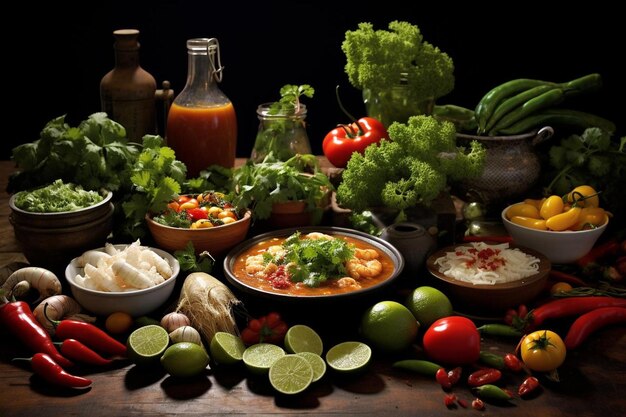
(489, 277)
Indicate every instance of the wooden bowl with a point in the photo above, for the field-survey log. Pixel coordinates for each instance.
(216, 240)
(490, 299)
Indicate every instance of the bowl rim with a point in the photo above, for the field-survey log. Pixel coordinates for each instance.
(551, 232)
(379, 243)
(64, 229)
(107, 198)
(544, 268)
(125, 294)
(245, 219)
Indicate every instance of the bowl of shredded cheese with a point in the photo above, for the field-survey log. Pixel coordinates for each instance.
(480, 277)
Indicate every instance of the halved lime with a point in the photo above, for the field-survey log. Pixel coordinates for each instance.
(147, 344)
(317, 364)
(260, 357)
(349, 357)
(226, 348)
(291, 374)
(185, 359)
(301, 338)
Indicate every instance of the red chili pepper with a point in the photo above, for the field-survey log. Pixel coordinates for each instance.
(77, 351)
(512, 362)
(442, 378)
(530, 384)
(564, 307)
(483, 376)
(44, 366)
(341, 142)
(18, 318)
(589, 322)
(455, 375)
(267, 329)
(87, 333)
(461, 402)
(610, 247)
(565, 277)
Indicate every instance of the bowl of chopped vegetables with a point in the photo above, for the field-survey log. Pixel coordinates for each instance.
(207, 220)
(134, 279)
(55, 223)
(481, 277)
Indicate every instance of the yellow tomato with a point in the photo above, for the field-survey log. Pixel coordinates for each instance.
(551, 206)
(560, 287)
(565, 220)
(201, 224)
(536, 203)
(522, 209)
(214, 211)
(543, 351)
(585, 196)
(538, 224)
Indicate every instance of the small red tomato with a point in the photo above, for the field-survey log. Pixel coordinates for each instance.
(442, 378)
(478, 404)
(452, 340)
(455, 375)
(512, 362)
(197, 213)
(483, 376)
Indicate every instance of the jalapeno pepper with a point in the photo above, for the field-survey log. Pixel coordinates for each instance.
(18, 318)
(492, 392)
(419, 366)
(87, 333)
(44, 366)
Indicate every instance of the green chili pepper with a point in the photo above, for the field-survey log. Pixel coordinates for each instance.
(548, 99)
(422, 367)
(514, 102)
(492, 392)
(565, 117)
(497, 329)
(491, 359)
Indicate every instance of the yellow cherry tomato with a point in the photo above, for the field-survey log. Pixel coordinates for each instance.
(189, 204)
(201, 224)
(543, 351)
(538, 224)
(226, 213)
(565, 220)
(591, 217)
(228, 220)
(119, 322)
(560, 287)
(522, 209)
(536, 203)
(214, 211)
(584, 195)
(551, 206)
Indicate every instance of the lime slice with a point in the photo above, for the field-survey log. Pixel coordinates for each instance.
(226, 348)
(317, 364)
(147, 344)
(301, 338)
(185, 359)
(349, 357)
(291, 374)
(260, 357)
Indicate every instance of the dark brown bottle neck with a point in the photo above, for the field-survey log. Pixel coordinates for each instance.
(127, 58)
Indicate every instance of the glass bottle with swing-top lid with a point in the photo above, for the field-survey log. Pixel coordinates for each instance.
(201, 124)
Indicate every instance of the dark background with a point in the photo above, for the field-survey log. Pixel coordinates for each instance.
(54, 64)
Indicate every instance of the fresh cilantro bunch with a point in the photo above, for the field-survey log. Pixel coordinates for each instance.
(261, 185)
(95, 154)
(593, 158)
(157, 177)
(313, 261)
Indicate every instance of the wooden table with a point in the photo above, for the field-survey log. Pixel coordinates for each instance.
(593, 378)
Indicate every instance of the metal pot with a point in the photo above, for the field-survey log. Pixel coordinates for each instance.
(511, 167)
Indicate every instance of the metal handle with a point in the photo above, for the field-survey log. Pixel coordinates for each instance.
(542, 135)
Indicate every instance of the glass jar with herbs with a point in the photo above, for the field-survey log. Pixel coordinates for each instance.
(282, 126)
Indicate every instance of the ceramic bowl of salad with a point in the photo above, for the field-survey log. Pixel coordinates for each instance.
(53, 224)
(206, 220)
(483, 278)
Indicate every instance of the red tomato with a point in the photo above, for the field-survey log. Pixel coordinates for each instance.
(452, 340)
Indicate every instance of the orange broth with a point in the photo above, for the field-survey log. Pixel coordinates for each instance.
(327, 288)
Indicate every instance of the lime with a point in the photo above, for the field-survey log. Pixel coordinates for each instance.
(428, 305)
(147, 344)
(389, 326)
(291, 374)
(226, 348)
(317, 364)
(185, 359)
(349, 357)
(258, 358)
(301, 338)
